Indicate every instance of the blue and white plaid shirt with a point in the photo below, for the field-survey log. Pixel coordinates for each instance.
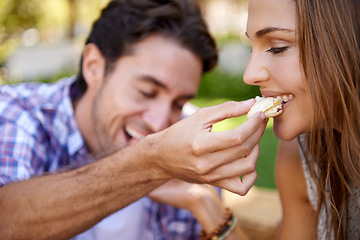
(38, 134)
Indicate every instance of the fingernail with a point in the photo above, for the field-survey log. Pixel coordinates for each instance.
(249, 101)
(262, 115)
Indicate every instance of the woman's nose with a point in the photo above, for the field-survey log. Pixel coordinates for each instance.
(256, 71)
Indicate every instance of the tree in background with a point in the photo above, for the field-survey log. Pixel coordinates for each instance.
(50, 19)
(15, 17)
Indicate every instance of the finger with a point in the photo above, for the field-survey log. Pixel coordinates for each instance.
(237, 185)
(222, 157)
(211, 115)
(239, 167)
(252, 129)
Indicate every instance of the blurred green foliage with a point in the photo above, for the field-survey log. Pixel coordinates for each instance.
(221, 84)
(267, 160)
(18, 14)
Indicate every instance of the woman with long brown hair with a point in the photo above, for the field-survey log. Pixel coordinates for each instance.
(307, 54)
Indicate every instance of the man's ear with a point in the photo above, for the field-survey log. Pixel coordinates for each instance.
(93, 66)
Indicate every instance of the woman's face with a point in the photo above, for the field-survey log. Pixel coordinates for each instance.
(275, 66)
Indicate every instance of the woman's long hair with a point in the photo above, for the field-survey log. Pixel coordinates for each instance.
(328, 33)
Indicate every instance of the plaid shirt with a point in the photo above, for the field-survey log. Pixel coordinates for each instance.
(38, 133)
(165, 222)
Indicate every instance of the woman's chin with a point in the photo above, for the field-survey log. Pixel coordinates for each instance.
(284, 133)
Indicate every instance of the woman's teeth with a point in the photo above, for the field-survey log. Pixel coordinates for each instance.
(285, 98)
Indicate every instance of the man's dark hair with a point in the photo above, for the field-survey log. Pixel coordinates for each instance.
(126, 22)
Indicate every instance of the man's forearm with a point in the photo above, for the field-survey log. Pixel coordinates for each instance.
(62, 205)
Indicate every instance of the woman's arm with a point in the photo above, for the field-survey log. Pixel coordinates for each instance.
(298, 214)
(201, 200)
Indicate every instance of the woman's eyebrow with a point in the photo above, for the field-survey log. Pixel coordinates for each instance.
(267, 30)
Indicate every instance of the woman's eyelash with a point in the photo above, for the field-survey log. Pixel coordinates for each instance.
(276, 50)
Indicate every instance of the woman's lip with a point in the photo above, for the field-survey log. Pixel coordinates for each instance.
(271, 93)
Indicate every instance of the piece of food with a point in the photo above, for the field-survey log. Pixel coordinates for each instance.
(270, 106)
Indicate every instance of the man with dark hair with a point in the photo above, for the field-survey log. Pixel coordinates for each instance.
(142, 62)
(177, 20)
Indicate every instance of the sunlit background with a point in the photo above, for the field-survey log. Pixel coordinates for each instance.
(56, 29)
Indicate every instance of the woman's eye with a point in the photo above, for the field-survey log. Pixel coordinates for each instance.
(276, 50)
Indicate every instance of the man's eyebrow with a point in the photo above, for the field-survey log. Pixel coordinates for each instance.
(267, 30)
(153, 80)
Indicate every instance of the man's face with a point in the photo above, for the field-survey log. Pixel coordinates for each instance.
(143, 94)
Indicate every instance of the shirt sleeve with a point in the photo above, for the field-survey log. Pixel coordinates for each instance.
(20, 153)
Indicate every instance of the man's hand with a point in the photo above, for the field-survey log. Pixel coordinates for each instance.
(184, 195)
(189, 151)
(201, 200)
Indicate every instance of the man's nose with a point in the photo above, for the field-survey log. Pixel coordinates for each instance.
(256, 71)
(158, 117)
